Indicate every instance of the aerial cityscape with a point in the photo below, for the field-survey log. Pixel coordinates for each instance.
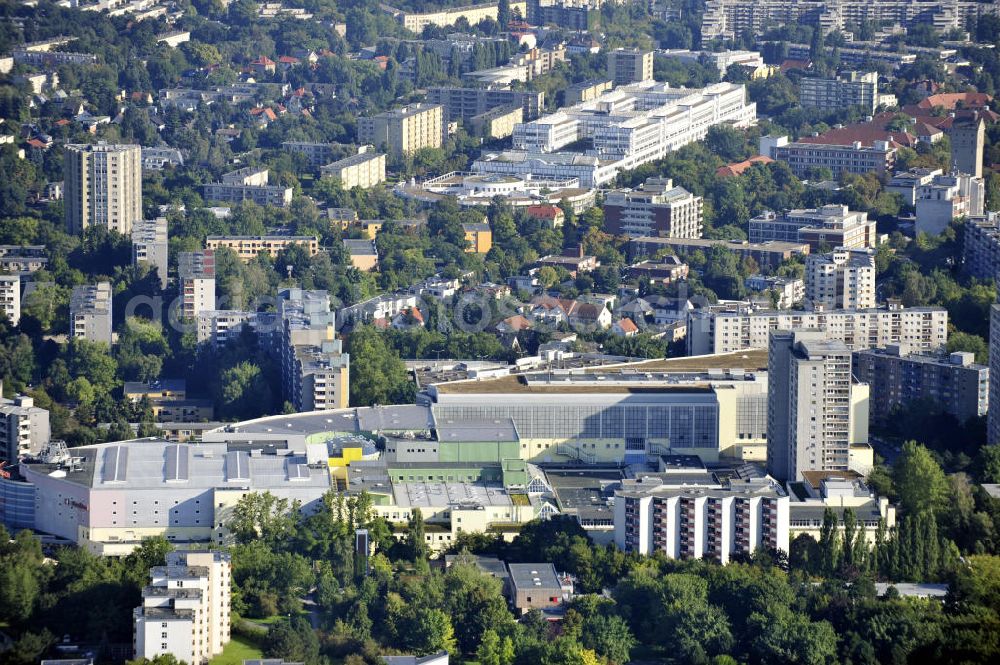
(502, 332)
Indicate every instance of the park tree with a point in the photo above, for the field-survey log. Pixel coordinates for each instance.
(378, 376)
(919, 481)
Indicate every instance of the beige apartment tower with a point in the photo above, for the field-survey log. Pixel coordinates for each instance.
(103, 186)
(404, 131)
(630, 66)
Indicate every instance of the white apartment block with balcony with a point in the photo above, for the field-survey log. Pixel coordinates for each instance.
(90, 311)
(24, 427)
(713, 331)
(103, 186)
(841, 279)
(185, 608)
(219, 326)
(947, 198)
(10, 298)
(713, 521)
(850, 89)
(547, 134)
(981, 247)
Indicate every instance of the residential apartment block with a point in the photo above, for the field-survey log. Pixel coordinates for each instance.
(993, 420)
(90, 312)
(968, 142)
(785, 292)
(831, 226)
(248, 247)
(22, 259)
(185, 609)
(766, 254)
(630, 66)
(218, 327)
(899, 378)
(363, 254)
(416, 22)
(24, 428)
(103, 186)
(196, 277)
(715, 521)
(981, 247)
(657, 208)
(808, 404)
(804, 157)
(168, 401)
(841, 279)
(478, 237)
(317, 154)
(467, 103)
(586, 91)
(150, 246)
(731, 18)
(248, 184)
(404, 131)
(947, 198)
(908, 183)
(858, 89)
(364, 170)
(10, 298)
(717, 331)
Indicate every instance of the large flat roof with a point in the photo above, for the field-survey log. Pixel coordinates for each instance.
(428, 495)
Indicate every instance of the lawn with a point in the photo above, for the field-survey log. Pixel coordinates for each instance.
(238, 650)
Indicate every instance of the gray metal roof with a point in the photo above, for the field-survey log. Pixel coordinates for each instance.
(529, 576)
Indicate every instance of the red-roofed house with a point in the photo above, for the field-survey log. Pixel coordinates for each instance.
(625, 328)
(738, 168)
(514, 324)
(287, 61)
(408, 318)
(382, 61)
(550, 214)
(263, 64)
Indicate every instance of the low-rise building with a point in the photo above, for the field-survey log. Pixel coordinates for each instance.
(168, 401)
(497, 123)
(22, 259)
(666, 270)
(908, 183)
(160, 157)
(657, 208)
(478, 237)
(248, 247)
(249, 184)
(899, 378)
(364, 170)
(586, 91)
(150, 245)
(768, 254)
(829, 226)
(316, 154)
(185, 609)
(90, 312)
(574, 264)
(363, 254)
(534, 586)
(219, 327)
(841, 279)
(818, 492)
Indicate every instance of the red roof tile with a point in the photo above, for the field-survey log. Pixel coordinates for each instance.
(738, 168)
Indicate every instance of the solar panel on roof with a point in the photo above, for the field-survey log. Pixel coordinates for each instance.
(237, 466)
(178, 463)
(115, 463)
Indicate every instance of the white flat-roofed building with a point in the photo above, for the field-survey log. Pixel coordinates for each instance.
(715, 331)
(715, 521)
(364, 170)
(841, 279)
(90, 312)
(849, 89)
(629, 126)
(830, 226)
(218, 327)
(150, 245)
(785, 291)
(908, 183)
(185, 609)
(946, 198)
(108, 497)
